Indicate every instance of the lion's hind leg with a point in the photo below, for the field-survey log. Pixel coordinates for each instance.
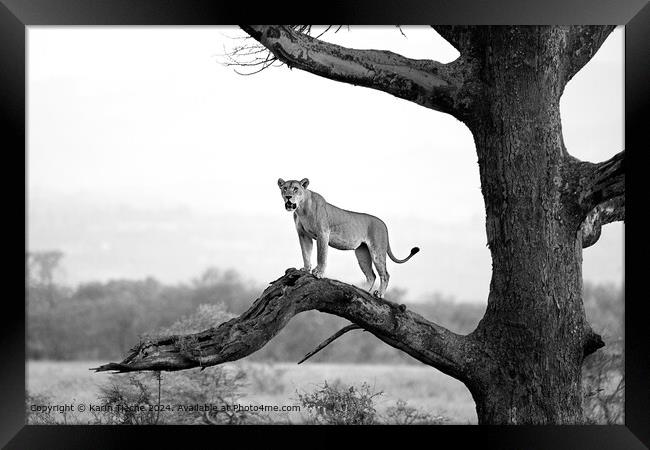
(380, 263)
(379, 259)
(365, 262)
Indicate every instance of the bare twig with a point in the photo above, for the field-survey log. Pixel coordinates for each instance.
(329, 340)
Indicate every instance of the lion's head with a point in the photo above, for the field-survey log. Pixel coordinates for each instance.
(293, 192)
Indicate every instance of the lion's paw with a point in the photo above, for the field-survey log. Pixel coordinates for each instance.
(318, 272)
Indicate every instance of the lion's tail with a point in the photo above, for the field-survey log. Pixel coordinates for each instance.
(414, 250)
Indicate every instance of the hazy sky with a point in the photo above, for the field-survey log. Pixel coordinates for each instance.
(148, 157)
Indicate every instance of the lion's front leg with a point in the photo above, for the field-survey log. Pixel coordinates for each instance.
(322, 243)
(306, 246)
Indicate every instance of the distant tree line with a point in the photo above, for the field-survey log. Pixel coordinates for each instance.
(100, 320)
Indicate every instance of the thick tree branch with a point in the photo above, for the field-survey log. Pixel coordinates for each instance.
(582, 43)
(292, 294)
(599, 191)
(610, 211)
(425, 82)
(602, 182)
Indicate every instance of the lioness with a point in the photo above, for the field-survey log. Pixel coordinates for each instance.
(344, 230)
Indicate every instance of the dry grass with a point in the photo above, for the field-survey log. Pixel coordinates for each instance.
(276, 384)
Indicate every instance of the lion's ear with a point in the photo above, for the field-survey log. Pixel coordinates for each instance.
(280, 182)
(304, 182)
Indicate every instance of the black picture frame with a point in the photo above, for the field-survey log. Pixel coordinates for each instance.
(16, 15)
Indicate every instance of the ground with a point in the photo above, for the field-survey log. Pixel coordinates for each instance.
(277, 384)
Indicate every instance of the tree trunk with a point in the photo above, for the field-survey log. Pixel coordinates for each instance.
(534, 327)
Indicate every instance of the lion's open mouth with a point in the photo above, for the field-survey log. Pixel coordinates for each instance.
(289, 206)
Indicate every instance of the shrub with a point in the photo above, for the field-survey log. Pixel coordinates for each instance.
(403, 414)
(191, 397)
(129, 402)
(41, 416)
(170, 398)
(217, 386)
(337, 404)
(603, 384)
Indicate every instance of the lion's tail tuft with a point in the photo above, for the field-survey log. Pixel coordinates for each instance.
(414, 250)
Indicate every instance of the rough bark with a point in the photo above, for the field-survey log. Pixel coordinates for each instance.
(582, 43)
(607, 212)
(600, 183)
(601, 197)
(523, 362)
(296, 292)
(534, 330)
(597, 193)
(425, 82)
